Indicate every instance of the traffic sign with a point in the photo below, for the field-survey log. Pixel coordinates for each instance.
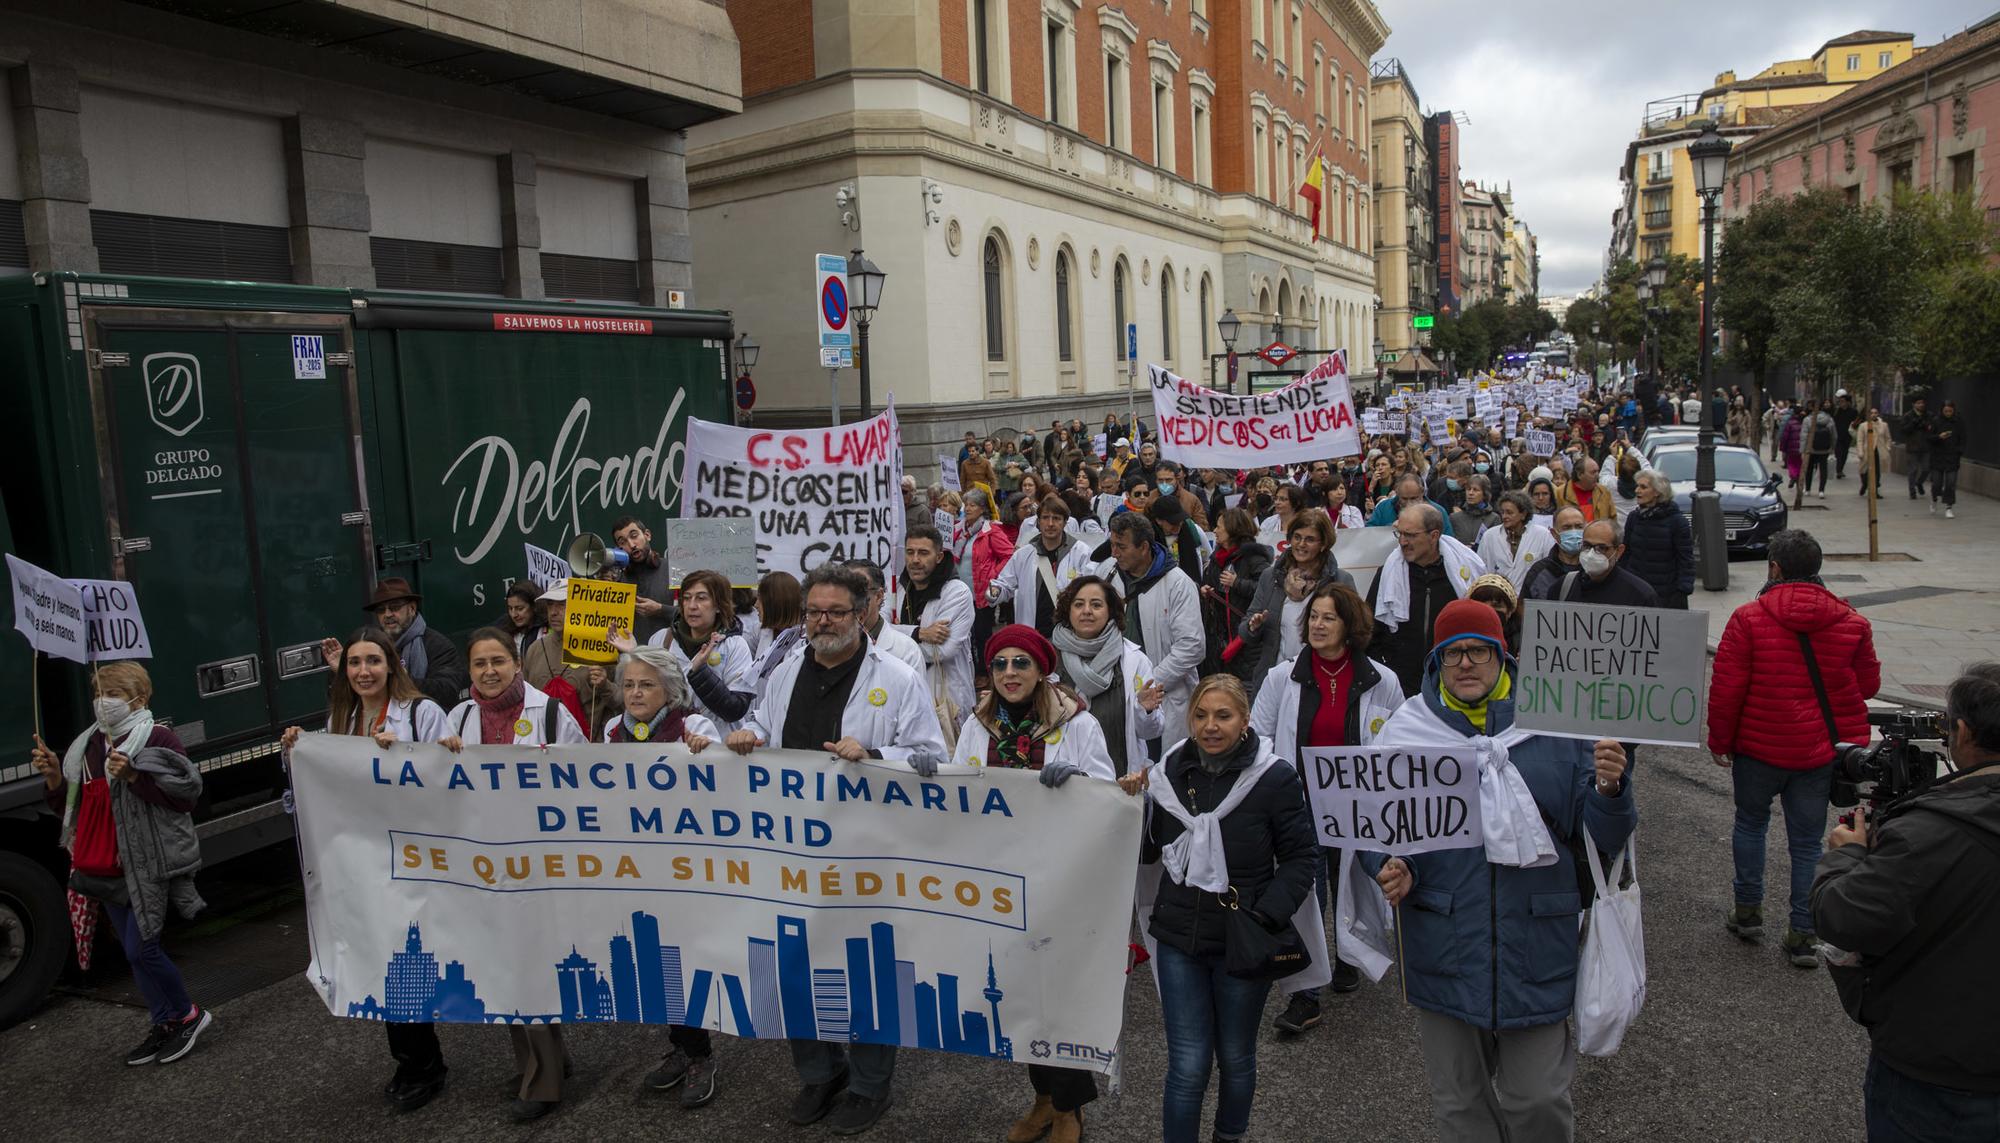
(1131, 341)
(746, 392)
(1423, 321)
(1277, 353)
(830, 302)
(834, 357)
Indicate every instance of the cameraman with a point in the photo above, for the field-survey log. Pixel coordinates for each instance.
(1912, 894)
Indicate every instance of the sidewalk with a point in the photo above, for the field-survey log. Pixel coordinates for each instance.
(1932, 613)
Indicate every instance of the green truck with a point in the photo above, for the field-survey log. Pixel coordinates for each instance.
(252, 458)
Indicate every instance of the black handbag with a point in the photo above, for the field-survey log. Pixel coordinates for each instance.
(1253, 952)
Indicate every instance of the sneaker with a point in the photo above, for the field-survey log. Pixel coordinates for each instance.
(1302, 1013)
(700, 1086)
(672, 1070)
(856, 1113)
(1746, 921)
(184, 1034)
(1802, 949)
(816, 1099)
(1950, 515)
(149, 1048)
(1346, 977)
(1933, 507)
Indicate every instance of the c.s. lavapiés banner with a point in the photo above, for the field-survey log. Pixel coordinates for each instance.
(780, 895)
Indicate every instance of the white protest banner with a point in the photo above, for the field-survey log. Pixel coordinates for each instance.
(779, 895)
(1361, 552)
(1485, 404)
(1541, 442)
(48, 610)
(1392, 424)
(115, 629)
(1513, 419)
(1629, 673)
(545, 567)
(1310, 419)
(815, 494)
(948, 472)
(1371, 422)
(726, 544)
(1439, 428)
(1394, 800)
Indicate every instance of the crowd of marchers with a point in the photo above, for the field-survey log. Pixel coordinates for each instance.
(1091, 611)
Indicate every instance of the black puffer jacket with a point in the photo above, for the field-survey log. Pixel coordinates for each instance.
(1249, 561)
(1268, 841)
(1659, 548)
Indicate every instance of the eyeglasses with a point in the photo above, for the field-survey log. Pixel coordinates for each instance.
(823, 614)
(1600, 549)
(1477, 654)
(1010, 663)
(1411, 535)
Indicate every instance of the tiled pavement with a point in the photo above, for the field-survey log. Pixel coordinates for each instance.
(1932, 613)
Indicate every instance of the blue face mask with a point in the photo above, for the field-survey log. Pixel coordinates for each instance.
(1167, 488)
(1482, 467)
(1451, 484)
(1571, 541)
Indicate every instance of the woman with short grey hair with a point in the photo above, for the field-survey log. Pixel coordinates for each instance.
(1659, 545)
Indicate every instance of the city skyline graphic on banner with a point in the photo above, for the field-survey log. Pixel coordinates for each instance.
(873, 998)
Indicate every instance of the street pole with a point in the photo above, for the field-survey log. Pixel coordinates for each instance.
(866, 411)
(1708, 530)
(833, 391)
(1131, 390)
(1871, 481)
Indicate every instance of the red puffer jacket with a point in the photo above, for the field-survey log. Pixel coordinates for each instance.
(1761, 702)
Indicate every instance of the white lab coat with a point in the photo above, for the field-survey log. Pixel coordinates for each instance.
(1078, 742)
(1140, 724)
(732, 658)
(1172, 637)
(953, 656)
(1017, 579)
(1536, 542)
(889, 709)
(900, 647)
(528, 729)
(1275, 714)
(409, 720)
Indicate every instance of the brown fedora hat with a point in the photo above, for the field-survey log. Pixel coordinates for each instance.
(394, 589)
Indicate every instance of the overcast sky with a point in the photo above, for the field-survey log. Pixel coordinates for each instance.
(1555, 89)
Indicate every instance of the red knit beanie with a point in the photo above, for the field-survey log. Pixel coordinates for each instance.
(1468, 618)
(1027, 639)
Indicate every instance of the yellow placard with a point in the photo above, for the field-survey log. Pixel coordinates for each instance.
(594, 606)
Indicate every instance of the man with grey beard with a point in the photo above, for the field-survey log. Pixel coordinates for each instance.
(848, 697)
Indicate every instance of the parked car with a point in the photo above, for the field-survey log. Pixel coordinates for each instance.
(1753, 509)
(1660, 436)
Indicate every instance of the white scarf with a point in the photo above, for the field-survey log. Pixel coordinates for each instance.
(1392, 596)
(1515, 833)
(1196, 858)
(125, 738)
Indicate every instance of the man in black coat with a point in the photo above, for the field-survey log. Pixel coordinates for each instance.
(1915, 429)
(1598, 578)
(432, 659)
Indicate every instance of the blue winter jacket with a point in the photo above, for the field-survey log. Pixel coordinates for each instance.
(1496, 946)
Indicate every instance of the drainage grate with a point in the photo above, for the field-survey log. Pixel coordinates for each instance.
(1898, 595)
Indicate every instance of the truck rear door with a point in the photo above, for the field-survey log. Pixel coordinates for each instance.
(231, 473)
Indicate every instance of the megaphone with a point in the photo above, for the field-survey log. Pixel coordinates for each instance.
(588, 555)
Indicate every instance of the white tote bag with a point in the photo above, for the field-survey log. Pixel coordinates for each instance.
(1611, 976)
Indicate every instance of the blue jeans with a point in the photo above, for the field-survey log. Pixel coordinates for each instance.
(1211, 1017)
(1803, 794)
(158, 980)
(1905, 1110)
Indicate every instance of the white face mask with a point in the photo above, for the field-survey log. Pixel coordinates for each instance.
(1594, 563)
(111, 711)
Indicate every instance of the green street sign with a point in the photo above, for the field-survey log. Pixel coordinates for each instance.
(1390, 355)
(1423, 321)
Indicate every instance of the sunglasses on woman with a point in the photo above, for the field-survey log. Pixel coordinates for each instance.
(1010, 663)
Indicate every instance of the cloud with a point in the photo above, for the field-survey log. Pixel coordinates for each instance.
(1555, 89)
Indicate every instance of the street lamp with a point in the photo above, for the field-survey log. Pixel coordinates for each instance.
(1227, 325)
(746, 351)
(746, 348)
(864, 293)
(1709, 154)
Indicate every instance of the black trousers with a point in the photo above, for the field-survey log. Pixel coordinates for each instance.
(1067, 1088)
(415, 1049)
(1815, 462)
(1841, 447)
(693, 1041)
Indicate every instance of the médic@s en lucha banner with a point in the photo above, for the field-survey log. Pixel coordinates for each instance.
(784, 894)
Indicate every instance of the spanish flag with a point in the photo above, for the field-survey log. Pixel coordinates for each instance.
(1312, 190)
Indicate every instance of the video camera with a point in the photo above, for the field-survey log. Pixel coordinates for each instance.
(1891, 768)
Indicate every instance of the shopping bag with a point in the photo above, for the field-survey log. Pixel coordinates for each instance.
(1611, 975)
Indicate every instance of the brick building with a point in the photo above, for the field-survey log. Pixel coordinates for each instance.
(1032, 175)
(1406, 268)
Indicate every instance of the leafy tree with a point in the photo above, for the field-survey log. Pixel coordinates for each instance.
(1956, 328)
(1760, 255)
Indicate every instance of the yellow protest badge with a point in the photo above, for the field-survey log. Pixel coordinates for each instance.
(595, 606)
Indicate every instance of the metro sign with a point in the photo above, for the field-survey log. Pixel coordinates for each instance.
(1277, 353)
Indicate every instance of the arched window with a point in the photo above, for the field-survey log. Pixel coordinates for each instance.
(1166, 312)
(996, 332)
(1118, 306)
(1206, 317)
(1065, 343)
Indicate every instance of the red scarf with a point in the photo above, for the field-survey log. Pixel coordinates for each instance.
(498, 714)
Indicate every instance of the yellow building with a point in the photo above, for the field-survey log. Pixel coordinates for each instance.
(1661, 213)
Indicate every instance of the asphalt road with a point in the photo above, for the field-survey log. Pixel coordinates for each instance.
(1734, 1045)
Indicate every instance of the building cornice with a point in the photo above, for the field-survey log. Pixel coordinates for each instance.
(1115, 21)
